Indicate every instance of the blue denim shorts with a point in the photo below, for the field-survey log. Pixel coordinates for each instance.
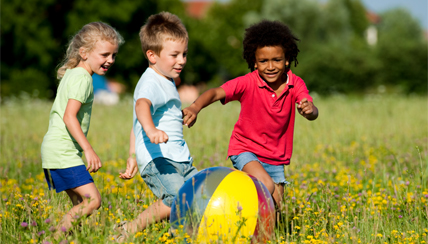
(165, 177)
(276, 172)
(64, 179)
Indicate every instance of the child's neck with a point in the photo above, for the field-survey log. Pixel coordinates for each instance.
(82, 64)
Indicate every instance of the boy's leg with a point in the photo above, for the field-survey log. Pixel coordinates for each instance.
(164, 177)
(255, 169)
(278, 194)
(154, 213)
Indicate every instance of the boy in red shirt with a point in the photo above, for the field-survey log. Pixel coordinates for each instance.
(262, 139)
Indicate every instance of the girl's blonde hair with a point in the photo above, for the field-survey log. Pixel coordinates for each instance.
(87, 37)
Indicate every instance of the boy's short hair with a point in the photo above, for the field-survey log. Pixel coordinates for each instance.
(269, 33)
(160, 28)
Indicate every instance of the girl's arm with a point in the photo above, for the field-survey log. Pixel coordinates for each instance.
(131, 163)
(190, 113)
(144, 116)
(73, 126)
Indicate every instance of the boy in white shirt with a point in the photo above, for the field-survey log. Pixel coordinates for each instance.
(162, 155)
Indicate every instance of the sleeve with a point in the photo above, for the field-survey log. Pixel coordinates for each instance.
(301, 91)
(80, 88)
(234, 89)
(153, 92)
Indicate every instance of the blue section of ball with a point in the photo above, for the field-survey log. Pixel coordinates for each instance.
(193, 197)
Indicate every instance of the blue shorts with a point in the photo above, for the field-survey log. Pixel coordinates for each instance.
(276, 172)
(64, 179)
(165, 177)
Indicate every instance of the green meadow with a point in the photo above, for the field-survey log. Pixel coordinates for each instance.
(359, 173)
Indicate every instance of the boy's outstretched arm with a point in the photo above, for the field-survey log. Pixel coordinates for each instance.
(131, 163)
(307, 109)
(144, 116)
(191, 113)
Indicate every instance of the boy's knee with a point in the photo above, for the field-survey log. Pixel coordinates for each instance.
(268, 182)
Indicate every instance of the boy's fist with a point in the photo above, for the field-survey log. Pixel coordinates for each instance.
(157, 136)
(307, 109)
(189, 116)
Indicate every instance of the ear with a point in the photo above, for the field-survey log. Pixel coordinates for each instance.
(83, 54)
(255, 66)
(287, 63)
(151, 56)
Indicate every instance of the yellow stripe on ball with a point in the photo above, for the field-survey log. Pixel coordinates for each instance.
(233, 207)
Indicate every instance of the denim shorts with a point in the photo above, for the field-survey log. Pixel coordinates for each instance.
(165, 177)
(64, 179)
(276, 172)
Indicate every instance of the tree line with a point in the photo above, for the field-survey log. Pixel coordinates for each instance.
(335, 56)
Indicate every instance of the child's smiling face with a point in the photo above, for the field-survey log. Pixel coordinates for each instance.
(271, 64)
(101, 58)
(171, 59)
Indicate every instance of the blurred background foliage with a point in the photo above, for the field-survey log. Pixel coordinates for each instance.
(335, 55)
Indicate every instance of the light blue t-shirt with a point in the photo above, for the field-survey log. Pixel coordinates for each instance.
(167, 116)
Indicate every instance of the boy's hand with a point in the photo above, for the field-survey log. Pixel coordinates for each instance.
(131, 169)
(307, 109)
(93, 161)
(189, 116)
(157, 136)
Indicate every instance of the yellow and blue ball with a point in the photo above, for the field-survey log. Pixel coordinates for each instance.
(221, 203)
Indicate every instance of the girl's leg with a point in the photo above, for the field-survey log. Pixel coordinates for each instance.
(75, 198)
(154, 213)
(85, 200)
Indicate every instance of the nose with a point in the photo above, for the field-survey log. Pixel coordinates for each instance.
(110, 59)
(270, 65)
(181, 60)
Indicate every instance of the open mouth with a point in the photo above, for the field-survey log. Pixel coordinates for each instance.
(104, 68)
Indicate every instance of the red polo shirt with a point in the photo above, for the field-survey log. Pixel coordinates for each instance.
(266, 123)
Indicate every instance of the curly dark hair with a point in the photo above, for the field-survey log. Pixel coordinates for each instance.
(269, 33)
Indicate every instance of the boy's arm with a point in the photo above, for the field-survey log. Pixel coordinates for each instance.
(307, 109)
(131, 163)
(142, 109)
(73, 126)
(190, 113)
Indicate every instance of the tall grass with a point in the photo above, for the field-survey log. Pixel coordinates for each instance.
(359, 173)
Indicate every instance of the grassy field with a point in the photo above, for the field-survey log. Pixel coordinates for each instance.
(359, 173)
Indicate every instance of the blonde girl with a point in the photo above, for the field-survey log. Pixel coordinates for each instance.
(92, 50)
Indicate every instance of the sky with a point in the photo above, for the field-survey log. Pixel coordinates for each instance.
(418, 8)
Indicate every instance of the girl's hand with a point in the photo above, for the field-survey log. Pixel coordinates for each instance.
(131, 169)
(307, 109)
(93, 161)
(157, 136)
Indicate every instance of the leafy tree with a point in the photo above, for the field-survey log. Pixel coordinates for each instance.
(219, 35)
(402, 52)
(28, 47)
(35, 34)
